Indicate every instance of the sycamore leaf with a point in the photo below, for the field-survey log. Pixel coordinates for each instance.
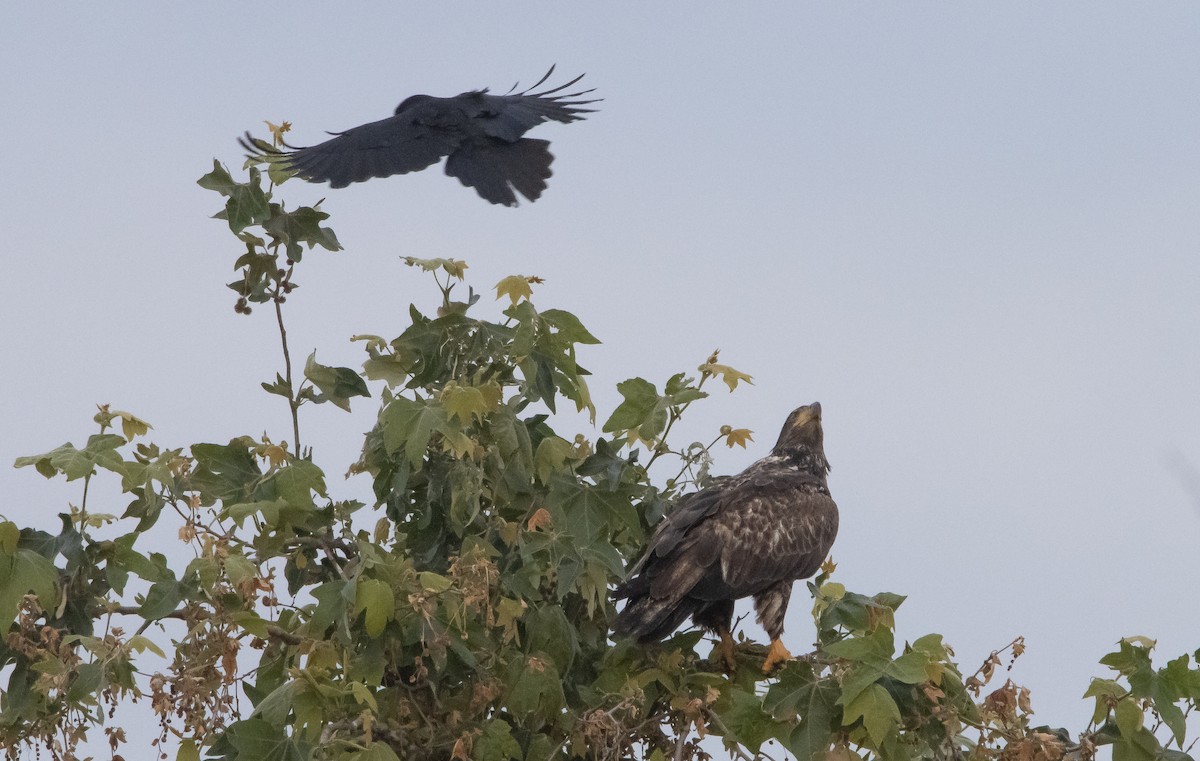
(643, 410)
(515, 287)
(738, 437)
(534, 687)
(132, 425)
(188, 751)
(496, 743)
(78, 463)
(277, 131)
(22, 572)
(375, 598)
(337, 384)
(10, 535)
(747, 722)
(730, 376)
(878, 711)
(454, 267)
(467, 403)
(551, 457)
(409, 424)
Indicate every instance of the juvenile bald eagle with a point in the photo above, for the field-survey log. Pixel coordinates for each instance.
(481, 133)
(749, 535)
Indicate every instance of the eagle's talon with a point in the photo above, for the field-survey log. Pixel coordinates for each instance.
(775, 656)
(728, 654)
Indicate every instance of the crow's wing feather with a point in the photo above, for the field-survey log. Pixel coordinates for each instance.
(396, 145)
(496, 168)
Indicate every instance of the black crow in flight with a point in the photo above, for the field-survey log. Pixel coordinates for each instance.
(481, 134)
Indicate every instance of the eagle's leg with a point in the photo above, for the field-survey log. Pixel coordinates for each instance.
(728, 655)
(776, 655)
(718, 617)
(771, 605)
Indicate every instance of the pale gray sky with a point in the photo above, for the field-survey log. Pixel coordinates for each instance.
(970, 230)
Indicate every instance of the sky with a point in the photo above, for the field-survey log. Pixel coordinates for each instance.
(968, 229)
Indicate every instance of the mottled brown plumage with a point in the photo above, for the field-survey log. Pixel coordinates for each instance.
(751, 535)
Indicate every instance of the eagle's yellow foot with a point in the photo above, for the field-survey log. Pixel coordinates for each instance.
(776, 655)
(726, 647)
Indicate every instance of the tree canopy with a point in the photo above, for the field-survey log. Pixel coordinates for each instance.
(459, 607)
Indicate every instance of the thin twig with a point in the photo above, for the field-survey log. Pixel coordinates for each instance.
(293, 403)
(672, 418)
(682, 741)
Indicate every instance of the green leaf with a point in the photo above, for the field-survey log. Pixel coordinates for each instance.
(162, 599)
(336, 384)
(909, 668)
(9, 536)
(551, 456)
(1129, 659)
(1141, 745)
(434, 582)
(878, 711)
(746, 721)
(375, 598)
(259, 740)
(408, 425)
(225, 472)
(535, 691)
(801, 693)
(569, 327)
(78, 463)
(302, 226)
(86, 685)
(642, 410)
(496, 743)
(276, 706)
(239, 568)
(218, 179)
(247, 203)
(22, 572)
(188, 751)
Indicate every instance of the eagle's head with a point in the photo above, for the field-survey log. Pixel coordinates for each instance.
(802, 434)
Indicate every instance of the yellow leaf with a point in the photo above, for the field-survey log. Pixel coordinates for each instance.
(454, 267)
(833, 590)
(277, 131)
(1141, 641)
(492, 394)
(516, 287)
(464, 402)
(131, 425)
(383, 529)
(274, 453)
(730, 376)
(458, 444)
(362, 694)
(507, 613)
(738, 436)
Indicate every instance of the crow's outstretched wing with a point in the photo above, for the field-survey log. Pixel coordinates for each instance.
(379, 149)
(480, 132)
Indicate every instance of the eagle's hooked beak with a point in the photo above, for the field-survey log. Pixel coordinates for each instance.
(811, 412)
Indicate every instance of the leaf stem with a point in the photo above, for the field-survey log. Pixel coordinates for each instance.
(675, 415)
(294, 397)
